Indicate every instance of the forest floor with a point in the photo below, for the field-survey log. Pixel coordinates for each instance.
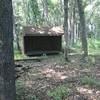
(52, 78)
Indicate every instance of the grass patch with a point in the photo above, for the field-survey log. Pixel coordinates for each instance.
(91, 81)
(59, 92)
(18, 55)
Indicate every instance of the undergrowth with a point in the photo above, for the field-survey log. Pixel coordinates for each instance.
(59, 92)
(91, 81)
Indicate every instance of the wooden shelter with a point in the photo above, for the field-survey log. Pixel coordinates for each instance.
(38, 41)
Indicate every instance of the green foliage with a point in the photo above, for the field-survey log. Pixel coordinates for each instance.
(34, 13)
(91, 81)
(59, 93)
(77, 44)
(93, 46)
(18, 55)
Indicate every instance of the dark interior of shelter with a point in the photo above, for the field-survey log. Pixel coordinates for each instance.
(39, 45)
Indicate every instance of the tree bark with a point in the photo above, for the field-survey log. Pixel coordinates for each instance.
(7, 72)
(66, 29)
(83, 29)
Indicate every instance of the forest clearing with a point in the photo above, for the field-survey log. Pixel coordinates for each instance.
(51, 78)
(49, 49)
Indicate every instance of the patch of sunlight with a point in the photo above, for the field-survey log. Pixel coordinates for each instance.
(54, 1)
(51, 73)
(92, 94)
(29, 84)
(83, 90)
(90, 6)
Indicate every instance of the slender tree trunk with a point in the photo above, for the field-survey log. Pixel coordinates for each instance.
(45, 6)
(66, 29)
(7, 72)
(45, 11)
(73, 23)
(83, 29)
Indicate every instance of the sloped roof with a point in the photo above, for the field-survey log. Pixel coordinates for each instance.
(53, 31)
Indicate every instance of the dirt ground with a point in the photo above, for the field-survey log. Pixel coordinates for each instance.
(35, 78)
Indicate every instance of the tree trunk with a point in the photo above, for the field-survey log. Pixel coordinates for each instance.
(83, 29)
(7, 72)
(45, 11)
(66, 29)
